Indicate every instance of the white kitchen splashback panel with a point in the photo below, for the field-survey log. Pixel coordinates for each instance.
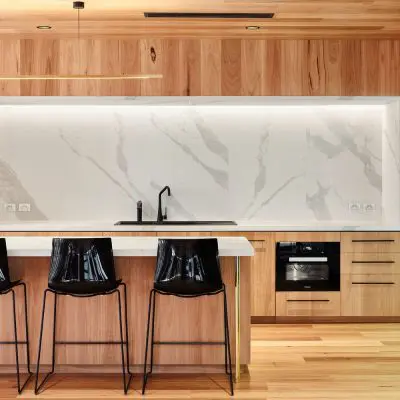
(288, 164)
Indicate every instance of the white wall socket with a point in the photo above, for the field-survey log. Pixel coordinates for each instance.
(369, 207)
(24, 207)
(355, 206)
(10, 207)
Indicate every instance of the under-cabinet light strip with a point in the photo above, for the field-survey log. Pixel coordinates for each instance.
(75, 77)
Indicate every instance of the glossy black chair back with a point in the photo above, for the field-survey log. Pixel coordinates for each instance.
(82, 266)
(4, 271)
(9, 287)
(188, 267)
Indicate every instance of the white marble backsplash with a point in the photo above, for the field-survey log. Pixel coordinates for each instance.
(391, 164)
(289, 164)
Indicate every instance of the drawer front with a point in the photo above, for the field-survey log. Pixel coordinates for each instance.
(307, 304)
(370, 242)
(370, 263)
(370, 295)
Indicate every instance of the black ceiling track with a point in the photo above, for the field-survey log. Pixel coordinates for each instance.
(208, 15)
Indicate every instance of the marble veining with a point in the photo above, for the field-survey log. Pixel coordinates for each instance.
(292, 165)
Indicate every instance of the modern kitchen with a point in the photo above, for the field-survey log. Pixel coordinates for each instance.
(191, 207)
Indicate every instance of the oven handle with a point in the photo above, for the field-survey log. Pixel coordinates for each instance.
(308, 259)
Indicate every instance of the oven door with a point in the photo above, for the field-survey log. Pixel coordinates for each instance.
(306, 273)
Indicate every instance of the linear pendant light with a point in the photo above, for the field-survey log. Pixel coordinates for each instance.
(78, 5)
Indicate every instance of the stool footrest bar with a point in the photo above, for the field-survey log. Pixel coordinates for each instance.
(85, 343)
(13, 342)
(192, 343)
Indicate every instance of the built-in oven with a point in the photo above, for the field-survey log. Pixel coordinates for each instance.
(307, 266)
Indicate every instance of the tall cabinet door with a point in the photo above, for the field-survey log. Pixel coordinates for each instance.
(263, 277)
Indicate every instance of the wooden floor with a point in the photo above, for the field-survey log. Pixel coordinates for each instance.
(290, 362)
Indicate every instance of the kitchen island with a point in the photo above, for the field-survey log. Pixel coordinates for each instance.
(96, 319)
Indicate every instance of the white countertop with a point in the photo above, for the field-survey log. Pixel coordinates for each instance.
(242, 226)
(36, 246)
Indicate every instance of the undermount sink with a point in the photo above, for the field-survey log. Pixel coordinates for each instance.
(144, 223)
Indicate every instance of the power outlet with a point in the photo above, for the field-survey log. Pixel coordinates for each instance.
(10, 207)
(355, 206)
(24, 207)
(369, 207)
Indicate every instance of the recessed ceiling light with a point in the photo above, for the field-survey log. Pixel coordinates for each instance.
(253, 28)
(44, 27)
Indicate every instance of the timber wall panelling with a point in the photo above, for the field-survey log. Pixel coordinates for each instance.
(205, 67)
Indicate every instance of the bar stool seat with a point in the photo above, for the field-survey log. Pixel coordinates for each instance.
(8, 286)
(187, 268)
(85, 288)
(84, 268)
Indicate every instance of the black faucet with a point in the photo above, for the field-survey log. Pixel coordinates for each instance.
(160, 216)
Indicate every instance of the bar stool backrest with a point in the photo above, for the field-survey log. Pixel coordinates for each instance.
(4, 271)
(87, 260)
(188, 267)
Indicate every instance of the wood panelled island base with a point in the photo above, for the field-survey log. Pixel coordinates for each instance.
(96, 319)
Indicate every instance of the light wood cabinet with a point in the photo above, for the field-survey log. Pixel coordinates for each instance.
(370, 274)
(263, 278)
(308, 304)
(370, 263)
(370, 242)
(370, 295)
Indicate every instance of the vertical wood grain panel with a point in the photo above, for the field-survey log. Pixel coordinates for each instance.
(211, 67)
(293, 67)
(351, 71)
(130, 64)
(316, 68)
(111, 60)
(190, 56)
(39, 57)
(272, 66)
(9, 65)
(171, 83)
(252, 67)
(370, 84)
(389, 59)
(83, 57)
(231, 69)
(333, 60)
(151, 62)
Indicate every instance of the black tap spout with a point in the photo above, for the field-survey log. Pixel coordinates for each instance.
(160, 216)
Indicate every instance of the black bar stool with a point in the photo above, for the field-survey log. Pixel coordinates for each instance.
(187, 268)
(7, 286)
(84, 268)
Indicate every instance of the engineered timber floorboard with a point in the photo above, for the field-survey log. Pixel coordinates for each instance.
(289, 362)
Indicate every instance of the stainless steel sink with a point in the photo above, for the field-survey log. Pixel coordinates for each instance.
(166, 223)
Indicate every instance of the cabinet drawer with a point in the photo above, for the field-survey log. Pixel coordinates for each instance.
(307, 304)
(370, 295)
(370, 263)
(370, 242)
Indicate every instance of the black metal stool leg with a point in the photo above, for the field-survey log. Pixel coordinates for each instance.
(21, 387)
(28, 357)
(16, 341)
(228, 341)
(145, 373)
(37, 386)
(127, 338)
(122, 342)
(152, 333)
